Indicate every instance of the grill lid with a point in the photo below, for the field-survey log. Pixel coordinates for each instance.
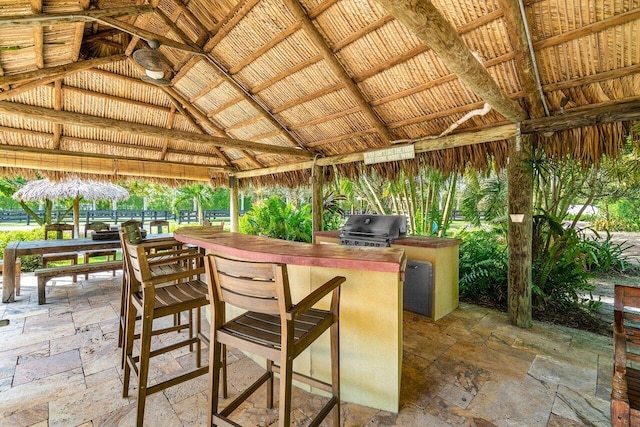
(374, 226)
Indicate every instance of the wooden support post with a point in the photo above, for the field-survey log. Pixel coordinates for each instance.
(233, 203)
(520, 177)
(316, 198)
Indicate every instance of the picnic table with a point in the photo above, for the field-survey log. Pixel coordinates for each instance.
(38, 247)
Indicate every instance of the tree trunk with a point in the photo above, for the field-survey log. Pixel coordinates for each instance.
(520, 177)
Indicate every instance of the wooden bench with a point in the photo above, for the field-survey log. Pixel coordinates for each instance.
(17, 274)
(625, 389)
(46, 274)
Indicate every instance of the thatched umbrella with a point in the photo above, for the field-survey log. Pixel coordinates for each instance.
(71, 188)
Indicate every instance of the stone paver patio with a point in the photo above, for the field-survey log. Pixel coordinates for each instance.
(60, 366)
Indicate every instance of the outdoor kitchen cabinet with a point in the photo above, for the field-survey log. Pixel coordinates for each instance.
(442, 253)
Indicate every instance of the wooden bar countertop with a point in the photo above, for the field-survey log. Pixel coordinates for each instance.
(259, 248)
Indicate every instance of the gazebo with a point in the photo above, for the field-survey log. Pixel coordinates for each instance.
(280, 91)
(71, 188)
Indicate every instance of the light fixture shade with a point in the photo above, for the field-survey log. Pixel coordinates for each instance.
(157, 75)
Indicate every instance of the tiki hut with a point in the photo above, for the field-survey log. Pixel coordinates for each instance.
(241, 92)
(71, 188)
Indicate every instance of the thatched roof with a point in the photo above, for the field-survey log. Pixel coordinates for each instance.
(70, 188)
(262, 89)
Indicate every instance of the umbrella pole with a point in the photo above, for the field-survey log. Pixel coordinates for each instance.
(76, 217)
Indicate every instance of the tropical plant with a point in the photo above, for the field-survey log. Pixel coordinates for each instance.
(483, 267)
(278, 219)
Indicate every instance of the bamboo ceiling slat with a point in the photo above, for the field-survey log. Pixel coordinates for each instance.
(298, 49)
(586, 51)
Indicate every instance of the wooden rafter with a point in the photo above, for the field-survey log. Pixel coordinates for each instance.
(525, 67)
(405, 56)
(205, 90)
(593, 78)
(230, 103)
(65, 18)
(146, 152)
(341, 44)
(192, 109)
(427, 23)
(266, 47)
(39, 159)
(59, 71)
(609, 112)
(192, 18)
(38, 34)
(595, 27)
(326, 118)
(120, 126)
(187, 109)
(321, 8)
(57, 105)
(337, 68)
(148, 35)
(244, 123)
(223, 27)
(309, 97)
(286, 73)
(170, 121)
(444, 113)
(340, 138)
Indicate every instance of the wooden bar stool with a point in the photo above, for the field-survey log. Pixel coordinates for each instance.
(160, 225)
(59, 230)
(177, 290)
(272, 327)
(110, 254)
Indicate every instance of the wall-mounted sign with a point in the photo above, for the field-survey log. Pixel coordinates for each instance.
(390, 154)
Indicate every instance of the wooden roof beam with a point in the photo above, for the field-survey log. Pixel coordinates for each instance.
(40, 159)
(155, 151)
(337, 68)
(148, 35)
(59, 71)
(188, 109)
(405, 56)
(589, 115)
(120, 126)
(427, 23)
(526, 68)
(594, 27)
(321, 8)
(223, 27)
(57, 105)
(286, 73)
(309, 97)
(265, 48)
(439, 81)
(205, 90)
(38, 34)
(80, 16)
(593, 78)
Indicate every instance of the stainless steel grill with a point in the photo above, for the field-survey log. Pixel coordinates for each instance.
(372, 230)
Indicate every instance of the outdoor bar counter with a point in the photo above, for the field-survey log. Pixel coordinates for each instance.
(370, 306)
(441, 252)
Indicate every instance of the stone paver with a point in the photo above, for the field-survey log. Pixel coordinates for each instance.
(60, 366)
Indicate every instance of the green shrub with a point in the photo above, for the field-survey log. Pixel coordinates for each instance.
(29, 262)
(275, 218)
(601, 255)
(483, 267)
